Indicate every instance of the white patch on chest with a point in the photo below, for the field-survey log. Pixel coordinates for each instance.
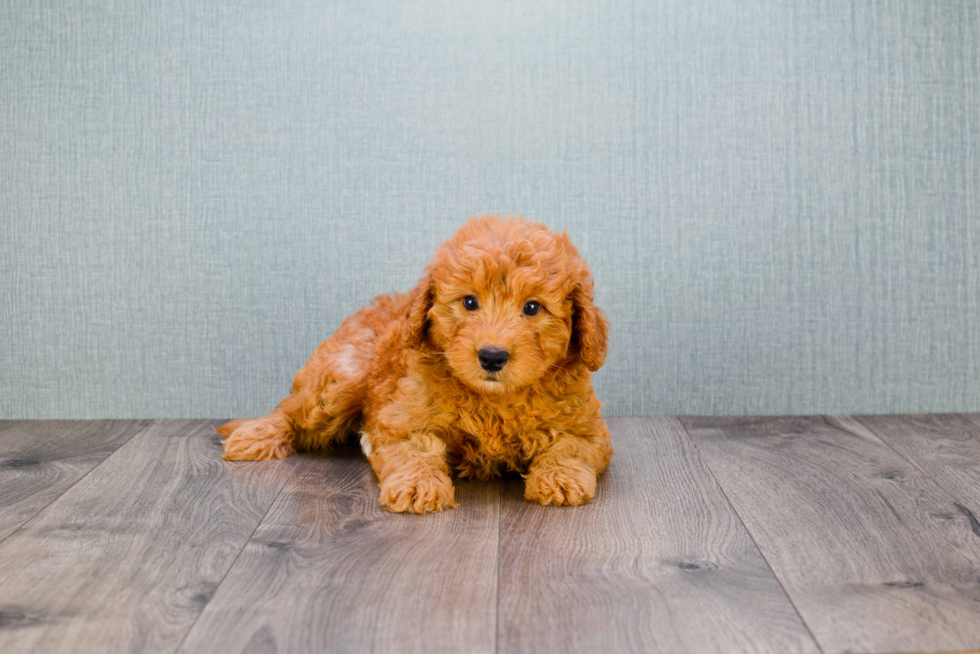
(365, 443)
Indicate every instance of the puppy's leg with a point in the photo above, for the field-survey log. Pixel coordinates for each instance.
(323, 407)
(267, 438)
(413, 474)
(565, 473)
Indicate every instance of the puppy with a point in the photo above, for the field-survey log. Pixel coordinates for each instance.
(484, 367)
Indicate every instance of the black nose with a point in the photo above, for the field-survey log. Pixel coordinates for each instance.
(493, 359)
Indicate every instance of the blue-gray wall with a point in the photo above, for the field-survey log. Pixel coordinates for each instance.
(780, 199)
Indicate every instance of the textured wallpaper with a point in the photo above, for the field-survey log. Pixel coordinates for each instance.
(780, 199)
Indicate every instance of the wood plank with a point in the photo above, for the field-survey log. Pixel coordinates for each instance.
(945, 447)
(41, 459)
(329, 570)
(658, 562)
(128, 557)
(873, 553)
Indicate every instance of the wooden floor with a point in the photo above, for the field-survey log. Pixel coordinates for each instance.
(784, 535)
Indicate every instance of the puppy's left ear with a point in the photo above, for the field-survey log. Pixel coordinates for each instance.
(590, 328)
(418, 314)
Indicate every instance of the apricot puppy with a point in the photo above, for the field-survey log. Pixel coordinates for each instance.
(484, 366)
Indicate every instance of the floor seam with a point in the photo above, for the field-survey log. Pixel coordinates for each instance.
(248, 540)
(136, 433)
(748, 531)
(500, 524)
(959, 503)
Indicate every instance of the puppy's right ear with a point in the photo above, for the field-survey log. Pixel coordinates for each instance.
(422, 296)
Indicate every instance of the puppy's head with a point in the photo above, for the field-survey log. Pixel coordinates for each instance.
(507, 301)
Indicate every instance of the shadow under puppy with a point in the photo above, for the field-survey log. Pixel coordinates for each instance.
(484, 366)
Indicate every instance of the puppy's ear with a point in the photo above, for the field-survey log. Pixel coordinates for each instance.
(418, 314)
(590, 329)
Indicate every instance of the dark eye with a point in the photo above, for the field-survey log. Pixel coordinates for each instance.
(531, 308)
(470, 303)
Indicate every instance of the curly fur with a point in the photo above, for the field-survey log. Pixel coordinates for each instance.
(404, 373)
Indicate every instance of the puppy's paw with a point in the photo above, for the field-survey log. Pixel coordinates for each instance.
(255, 440)
(422, 492)
(561, 483)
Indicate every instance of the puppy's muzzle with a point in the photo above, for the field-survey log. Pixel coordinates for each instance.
(493, 359)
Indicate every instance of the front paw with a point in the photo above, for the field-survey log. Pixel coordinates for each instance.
(560, 483)
(422, 492)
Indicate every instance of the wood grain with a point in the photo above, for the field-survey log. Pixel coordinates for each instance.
(126, 560)
(329, 570)
(945, 447)
(41, 459)
(658, 562)
(873, 553)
